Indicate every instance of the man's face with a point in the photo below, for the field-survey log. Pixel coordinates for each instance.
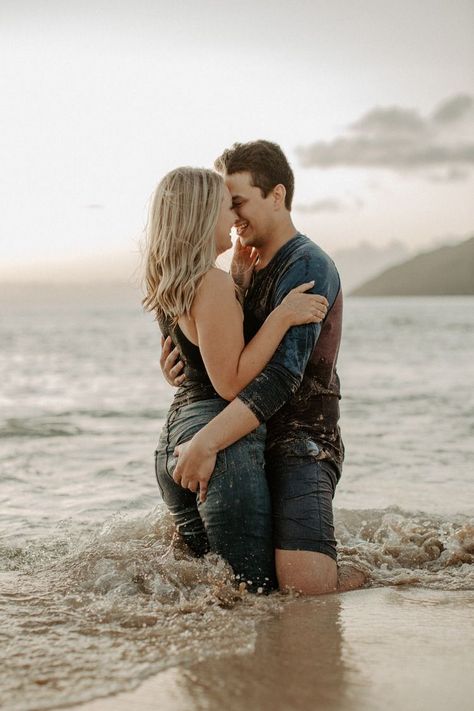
(254, 212)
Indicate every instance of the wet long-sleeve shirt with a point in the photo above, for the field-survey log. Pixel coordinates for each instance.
(297, 394)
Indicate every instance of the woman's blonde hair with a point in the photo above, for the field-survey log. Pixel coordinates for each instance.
(180, 246)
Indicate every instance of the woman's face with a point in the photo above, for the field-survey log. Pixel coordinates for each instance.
(225, 222)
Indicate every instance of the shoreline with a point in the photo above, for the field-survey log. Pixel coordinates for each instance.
(393, 648)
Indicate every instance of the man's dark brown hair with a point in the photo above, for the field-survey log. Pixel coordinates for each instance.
(266, 163)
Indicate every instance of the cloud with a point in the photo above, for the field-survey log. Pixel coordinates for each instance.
(328, 205)
(391, 121)
(454, 109)
(401, 139)
(451, 175)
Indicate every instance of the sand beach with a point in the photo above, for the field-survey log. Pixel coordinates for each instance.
(392, 648)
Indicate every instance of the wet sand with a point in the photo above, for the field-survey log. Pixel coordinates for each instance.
(391, 648)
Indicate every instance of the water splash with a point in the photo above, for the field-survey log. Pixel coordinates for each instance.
(126, 593)
(396, 547)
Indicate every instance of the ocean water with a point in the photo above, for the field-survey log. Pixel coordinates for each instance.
(95, 593)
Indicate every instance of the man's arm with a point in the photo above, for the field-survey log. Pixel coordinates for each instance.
(268, 392)
(197, 458)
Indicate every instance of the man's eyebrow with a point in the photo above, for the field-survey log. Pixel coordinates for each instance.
(237, 197)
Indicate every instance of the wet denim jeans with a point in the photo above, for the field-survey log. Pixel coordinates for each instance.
(235, 519)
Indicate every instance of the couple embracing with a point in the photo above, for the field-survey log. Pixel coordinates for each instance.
(251, 453)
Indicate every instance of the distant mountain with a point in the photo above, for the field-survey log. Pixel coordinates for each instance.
(362, 262)
(445, 271)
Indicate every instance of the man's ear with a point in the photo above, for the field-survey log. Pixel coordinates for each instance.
(279, 194)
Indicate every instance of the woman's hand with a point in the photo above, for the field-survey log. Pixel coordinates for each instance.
(196, 462)
(242, 265)
(300, 308)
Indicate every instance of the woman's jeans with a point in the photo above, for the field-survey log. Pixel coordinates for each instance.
(235, 519)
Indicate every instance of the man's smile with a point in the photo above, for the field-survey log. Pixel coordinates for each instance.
(241, 226)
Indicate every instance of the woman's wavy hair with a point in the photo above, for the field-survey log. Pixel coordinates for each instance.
(180, 245)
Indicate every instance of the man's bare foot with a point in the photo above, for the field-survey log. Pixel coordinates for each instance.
(350, 578)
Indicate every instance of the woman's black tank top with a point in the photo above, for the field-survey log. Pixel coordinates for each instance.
(197, 385)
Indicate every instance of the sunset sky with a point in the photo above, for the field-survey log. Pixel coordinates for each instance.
(371, 100)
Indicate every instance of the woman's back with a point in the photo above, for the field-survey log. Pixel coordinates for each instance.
(197, 385)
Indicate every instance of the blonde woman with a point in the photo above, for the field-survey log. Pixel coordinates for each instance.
(195, 303)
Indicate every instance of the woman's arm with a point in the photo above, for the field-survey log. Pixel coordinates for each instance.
(218, 318)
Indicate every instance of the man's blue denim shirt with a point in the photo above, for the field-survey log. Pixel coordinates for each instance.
(298, 392)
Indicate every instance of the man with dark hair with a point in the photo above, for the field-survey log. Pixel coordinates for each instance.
(266, 163)
(298, 393)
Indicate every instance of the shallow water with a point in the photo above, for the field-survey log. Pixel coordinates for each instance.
(94, 593)
(387, 648)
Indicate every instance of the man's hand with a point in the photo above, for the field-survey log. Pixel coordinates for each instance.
(196, 462)
(242, 265)
(170, 364)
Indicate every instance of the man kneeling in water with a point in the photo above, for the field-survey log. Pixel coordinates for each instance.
(297, 394)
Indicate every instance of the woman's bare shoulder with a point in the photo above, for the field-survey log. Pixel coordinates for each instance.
(217, 278)
(216, 286)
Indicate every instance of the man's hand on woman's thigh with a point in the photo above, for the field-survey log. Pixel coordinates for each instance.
(195, 465)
